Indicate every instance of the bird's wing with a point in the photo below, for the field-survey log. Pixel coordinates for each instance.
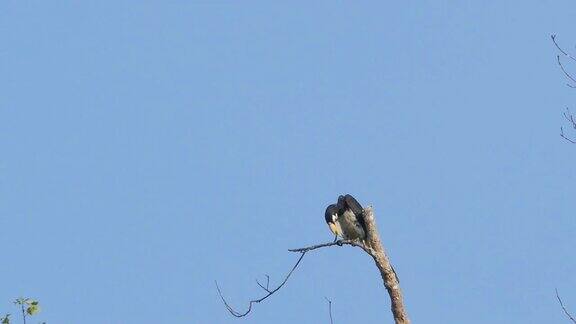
(354, 205)
(357, 209)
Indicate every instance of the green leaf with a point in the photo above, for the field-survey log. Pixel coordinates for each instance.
(6, 319)
(33, 309)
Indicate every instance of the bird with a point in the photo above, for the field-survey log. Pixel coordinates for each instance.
(346, 218)
(351, 218)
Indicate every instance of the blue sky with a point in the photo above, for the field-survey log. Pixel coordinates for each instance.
(151, 147)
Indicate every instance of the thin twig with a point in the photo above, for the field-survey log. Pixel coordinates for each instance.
(566, 137)
(565, 72)
(267, 284)
(561, 50)
(318, 246)
(569, 117)
(330, 309)
(269, 292)
(566, 54)
(266, 288)
(564, 308)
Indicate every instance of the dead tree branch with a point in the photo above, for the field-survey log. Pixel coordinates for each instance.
(252, 302)
(266, 288)
(564, 308)
(568, 75)
(561, 50)
(566, 137)
(377, 252)
(318, 246)
(372, 246)
(567, 115)
(269, 292)
(566, 54)
(570, 118)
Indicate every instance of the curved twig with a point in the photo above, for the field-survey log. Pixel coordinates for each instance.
(566, 137)
(566, 54)
(564, 308)
(270, 292)
(568, 75)
(560, 48)
(266, 288)
(570, 118)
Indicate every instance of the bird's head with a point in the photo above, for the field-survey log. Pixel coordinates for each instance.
(331, 214)
(331, 217)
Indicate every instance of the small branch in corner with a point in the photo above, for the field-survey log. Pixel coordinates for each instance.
(566, 54)
(553, 36)
(564, 308)
(566, 137)
(570, 118)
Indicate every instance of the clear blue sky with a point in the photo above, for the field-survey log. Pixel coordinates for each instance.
(151, 147)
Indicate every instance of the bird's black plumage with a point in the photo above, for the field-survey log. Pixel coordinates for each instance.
(346, 218)
(330, 210)
(347, 202)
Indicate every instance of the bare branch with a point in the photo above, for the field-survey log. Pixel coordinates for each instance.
(389, 277)
(566, 137)
(569, 117)
(564, 308)
(259, 284)
(566, 54)
(318, 246)
(252, 302)
(561, 50)
(330, 309)
(267, 289)
(568, 75)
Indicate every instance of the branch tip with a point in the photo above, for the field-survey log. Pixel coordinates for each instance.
(564, 308)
